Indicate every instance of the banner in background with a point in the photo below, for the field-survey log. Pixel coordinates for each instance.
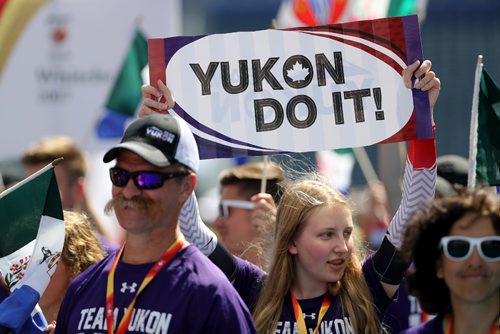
(295, 90)
(59, 62)
(299, 13)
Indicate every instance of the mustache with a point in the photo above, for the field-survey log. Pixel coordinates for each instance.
(137, 202)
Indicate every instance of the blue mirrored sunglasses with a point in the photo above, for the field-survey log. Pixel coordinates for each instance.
(142, 179)
(459, 248)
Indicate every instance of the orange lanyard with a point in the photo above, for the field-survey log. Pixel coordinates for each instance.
(299, 316)
(450, 327)
(162, 262)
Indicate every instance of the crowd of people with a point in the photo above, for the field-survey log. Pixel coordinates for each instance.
(287, 256)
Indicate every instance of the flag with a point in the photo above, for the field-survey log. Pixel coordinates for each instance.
(488, 129)
(336, 166)
(296, 13)
(31, 240)
(126, 92)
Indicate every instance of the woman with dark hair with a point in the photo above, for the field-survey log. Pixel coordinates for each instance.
(455, 248)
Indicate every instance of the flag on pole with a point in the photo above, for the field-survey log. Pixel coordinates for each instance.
(126, 93)
(336, 166)
(488, 129)
(31, 240)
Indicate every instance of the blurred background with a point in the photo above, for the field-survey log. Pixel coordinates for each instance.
(453, 34)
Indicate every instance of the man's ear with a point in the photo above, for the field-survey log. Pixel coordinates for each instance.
(79, 190)
(187, 187)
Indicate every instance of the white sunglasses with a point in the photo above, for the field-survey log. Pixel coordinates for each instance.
(459, 248)
(225, 204)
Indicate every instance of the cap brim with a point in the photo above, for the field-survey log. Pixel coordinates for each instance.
(148, 152)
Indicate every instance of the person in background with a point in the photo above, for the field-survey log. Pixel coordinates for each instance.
(81, 249)
(157, 282)
(246, 216)
(372, 214)
(70, 174)
(455, 248)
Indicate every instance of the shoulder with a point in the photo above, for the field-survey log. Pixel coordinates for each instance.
(193, 268)
(208, 293)
(373, 281)
(248, 270)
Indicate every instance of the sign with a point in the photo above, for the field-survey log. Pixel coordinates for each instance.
(295, 90)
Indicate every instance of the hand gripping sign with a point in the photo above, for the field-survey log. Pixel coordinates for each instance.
(295, 90)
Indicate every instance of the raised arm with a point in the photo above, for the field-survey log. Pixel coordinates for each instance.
(419, 185)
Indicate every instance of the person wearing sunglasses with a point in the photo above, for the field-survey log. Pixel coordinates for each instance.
(455, 248)
(157, 282)
(247, 216)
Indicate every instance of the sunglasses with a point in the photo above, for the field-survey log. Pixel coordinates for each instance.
(225, 204)
(460, 248)
(142, 180)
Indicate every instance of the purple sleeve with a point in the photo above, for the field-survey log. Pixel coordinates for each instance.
(248, 282)
(372, 279)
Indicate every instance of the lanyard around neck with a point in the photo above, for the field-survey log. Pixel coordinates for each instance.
(493, 329)
(162, 262)
(299, 316)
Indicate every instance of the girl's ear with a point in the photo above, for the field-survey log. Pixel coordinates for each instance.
(292, 249)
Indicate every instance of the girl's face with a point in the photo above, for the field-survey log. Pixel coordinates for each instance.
(323, 248)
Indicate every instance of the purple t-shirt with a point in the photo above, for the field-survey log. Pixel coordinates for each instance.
(248, 282)
(433, 326)
(189, 295)
(334, 321)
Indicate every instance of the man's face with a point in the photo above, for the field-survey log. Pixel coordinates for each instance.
(144, 211)
(237, 230)
(473, 279)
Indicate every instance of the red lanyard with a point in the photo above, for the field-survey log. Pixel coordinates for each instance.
(299, 316)
(450, 326)
(162, 262)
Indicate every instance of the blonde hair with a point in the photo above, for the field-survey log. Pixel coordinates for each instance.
(297, 203)
(81, 246)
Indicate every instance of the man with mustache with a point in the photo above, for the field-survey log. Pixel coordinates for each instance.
(156, 282)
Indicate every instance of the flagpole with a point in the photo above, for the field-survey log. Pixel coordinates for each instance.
(471, 180)
(263, 183)
(365, 164)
